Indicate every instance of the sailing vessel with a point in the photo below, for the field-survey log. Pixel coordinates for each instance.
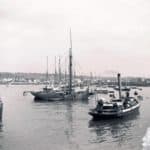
(79, 93)
(48, 93)
(51, 94)
(116, 107)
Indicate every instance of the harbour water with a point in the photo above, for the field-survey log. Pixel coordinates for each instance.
(29, 125)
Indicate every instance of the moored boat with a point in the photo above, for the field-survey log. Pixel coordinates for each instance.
(101, 90)
(65, 92)
(48, 95)
(81, 93)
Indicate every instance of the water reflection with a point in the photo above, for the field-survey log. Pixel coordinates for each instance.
(84, 101)
(1, 126)
(1, 131)
(113, 130)
(69, 123)
(61, 120)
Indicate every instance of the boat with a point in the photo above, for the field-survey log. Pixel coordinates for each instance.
(116, 107)
(125, 88)
(101, 90)
(81, 93)
(74, 93)
(91, 91)
(62, 93)
(48, 93)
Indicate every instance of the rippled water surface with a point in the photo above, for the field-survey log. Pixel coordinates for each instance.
(28, 125)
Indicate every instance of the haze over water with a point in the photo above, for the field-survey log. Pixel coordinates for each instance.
(29, 125)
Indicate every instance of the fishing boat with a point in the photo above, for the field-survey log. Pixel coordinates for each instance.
(124, 105)
(62, 93)
(78, 93)
(48, 96)
(48, 93)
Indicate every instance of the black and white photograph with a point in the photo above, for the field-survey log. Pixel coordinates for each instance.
(74, 75)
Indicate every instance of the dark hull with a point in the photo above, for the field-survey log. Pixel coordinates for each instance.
(52, 96)
(47, 96)
(91, 93)
(97, 116)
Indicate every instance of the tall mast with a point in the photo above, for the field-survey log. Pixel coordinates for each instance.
(91, 77)
(119, 85)
(59, 71)
(74, 72)
(70, 65)
(47, 69)
(55, 78)
(65, 71)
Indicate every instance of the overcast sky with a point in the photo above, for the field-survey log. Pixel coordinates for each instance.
(108, 35)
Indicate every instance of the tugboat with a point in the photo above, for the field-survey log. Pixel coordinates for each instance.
(116, 107)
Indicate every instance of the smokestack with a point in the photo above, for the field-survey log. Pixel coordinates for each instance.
(119, 85)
